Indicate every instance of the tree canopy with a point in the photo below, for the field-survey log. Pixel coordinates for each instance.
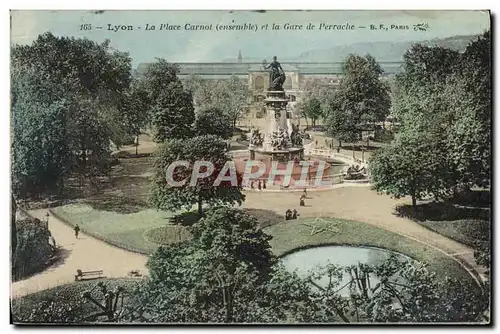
(361, 99)
(63, 92)
(207, 148)
(170, 104)
(443, 103)
(228, 96)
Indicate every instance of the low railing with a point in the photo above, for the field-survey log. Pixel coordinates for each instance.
(334, 155)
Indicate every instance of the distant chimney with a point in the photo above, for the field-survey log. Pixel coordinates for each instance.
(240, 57)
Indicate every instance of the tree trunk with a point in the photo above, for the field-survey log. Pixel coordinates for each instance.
(413, 201)
(137, 145)
(367, 141)
(353, 155)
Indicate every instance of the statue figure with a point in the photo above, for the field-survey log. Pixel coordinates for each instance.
(277, 140)
(276, 76)
(296, 136)
(256, 138)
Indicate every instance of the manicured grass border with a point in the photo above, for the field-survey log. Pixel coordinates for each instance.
(459, 235)
(100, 237)
(292, 236)
(154, 234)
(289, 236)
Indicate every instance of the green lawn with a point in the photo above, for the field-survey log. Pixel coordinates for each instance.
(291, 235)
(465, 231)
(140, 231)
(124, 230)
(144, 230)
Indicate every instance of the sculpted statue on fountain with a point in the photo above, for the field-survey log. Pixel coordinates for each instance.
(256, 138)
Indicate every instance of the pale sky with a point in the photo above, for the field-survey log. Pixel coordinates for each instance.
(205, 46)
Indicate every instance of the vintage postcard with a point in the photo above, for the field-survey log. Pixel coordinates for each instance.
(250, 167)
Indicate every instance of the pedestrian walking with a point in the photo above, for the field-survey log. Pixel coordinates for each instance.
(77, 230)
(259, 186)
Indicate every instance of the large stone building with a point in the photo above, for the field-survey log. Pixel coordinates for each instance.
(297, 73)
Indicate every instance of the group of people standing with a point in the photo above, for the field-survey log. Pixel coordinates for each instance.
(260, 185)
(294, 214)
(291, 214)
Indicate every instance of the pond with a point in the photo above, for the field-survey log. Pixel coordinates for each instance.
(303, 261)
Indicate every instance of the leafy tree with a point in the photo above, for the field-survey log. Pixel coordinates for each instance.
(440, 101)
(74, 84)
(411, 165)
(339, 125)
(33, 250)
(207, 148)
(41, 154)
(362, 95)
(170, 105)
(80, 65)
(312, 108)
(227, 273)
(134, 110)
(229, 96)
(469, 137)
(313, 100)
(238, 99)
(405, 292)
(213, 121)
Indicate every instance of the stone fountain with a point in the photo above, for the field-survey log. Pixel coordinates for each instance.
(280, 140)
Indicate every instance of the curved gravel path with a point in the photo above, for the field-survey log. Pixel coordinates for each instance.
(85, 253)
(354, 203)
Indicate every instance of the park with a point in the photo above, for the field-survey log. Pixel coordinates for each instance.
(151, 199)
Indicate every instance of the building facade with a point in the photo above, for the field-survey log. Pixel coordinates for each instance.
(297, 74)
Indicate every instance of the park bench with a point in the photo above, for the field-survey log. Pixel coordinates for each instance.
(80, 275)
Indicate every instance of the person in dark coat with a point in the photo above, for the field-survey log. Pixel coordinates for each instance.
(295, 214)
(77, 230)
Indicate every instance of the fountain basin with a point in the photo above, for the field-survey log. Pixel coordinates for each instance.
(305, 260)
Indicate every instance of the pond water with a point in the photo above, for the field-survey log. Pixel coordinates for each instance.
(303, 261)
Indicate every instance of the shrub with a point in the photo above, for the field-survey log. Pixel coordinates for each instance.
(64, 304)
(169, 234)
(185, 219)
(33, 251)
